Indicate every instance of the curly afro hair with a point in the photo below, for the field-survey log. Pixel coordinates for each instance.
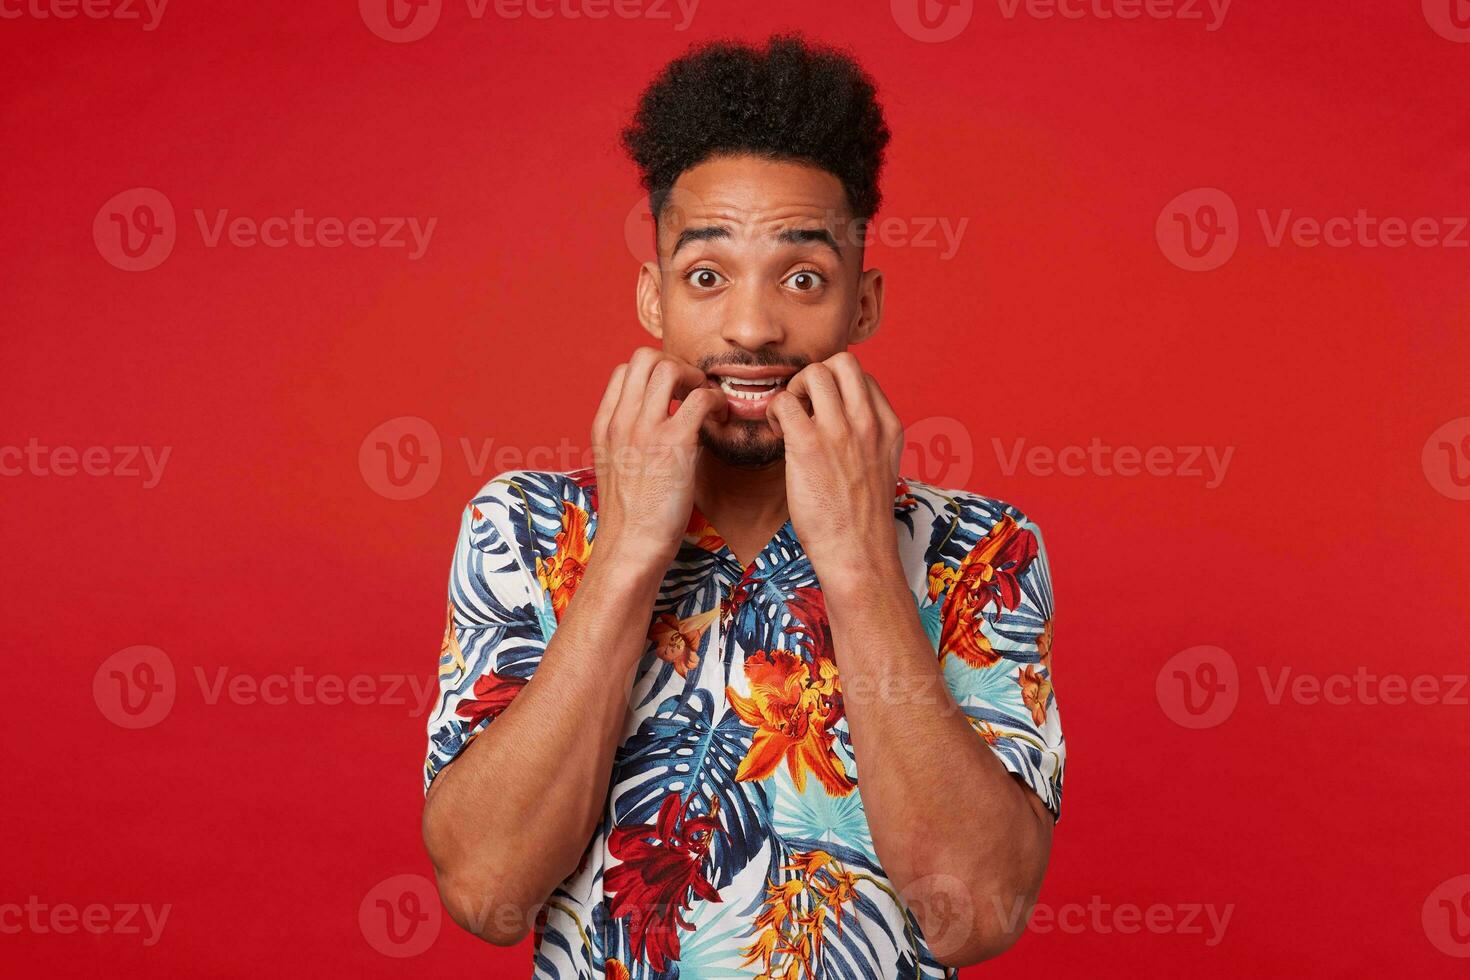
(792, 101)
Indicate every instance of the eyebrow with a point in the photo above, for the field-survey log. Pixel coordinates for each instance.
(788, 236)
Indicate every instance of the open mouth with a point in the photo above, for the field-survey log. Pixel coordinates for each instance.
(748, 389)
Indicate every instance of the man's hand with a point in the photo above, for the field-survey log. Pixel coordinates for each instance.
(841, 464)
(645, 457)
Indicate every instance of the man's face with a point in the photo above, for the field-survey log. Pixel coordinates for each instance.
(759, 274)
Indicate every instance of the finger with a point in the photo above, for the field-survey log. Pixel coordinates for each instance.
(700, 404)
(609, 402)
(881, 405)
(635, 384)
(888, 421)
(671, 378)
(815, 382)
(790, 420)
(853, 387)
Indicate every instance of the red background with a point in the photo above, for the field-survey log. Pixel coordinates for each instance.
(265, 548)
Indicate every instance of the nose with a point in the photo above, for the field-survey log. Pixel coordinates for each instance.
(751, 321)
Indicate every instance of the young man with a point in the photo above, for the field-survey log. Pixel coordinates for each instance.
(738, 700)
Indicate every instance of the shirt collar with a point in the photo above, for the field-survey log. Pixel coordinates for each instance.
(702, 534)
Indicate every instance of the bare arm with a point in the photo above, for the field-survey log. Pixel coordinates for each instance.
(550, 751)
(956, 832)
(964, 841)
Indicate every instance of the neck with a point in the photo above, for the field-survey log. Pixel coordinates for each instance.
(737, 498)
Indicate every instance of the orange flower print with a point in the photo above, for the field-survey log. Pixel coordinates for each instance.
(989, 574)
(986, 730)
(790, 925)
(777, 911)
(792, 707)
(560, 574)
(676, 640)
(450, 647)
(843, 889)
(1035, 691)
(1043, 643)
(615, 970)
(701, 532)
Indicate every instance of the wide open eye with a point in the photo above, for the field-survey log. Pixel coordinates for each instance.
(806, 280)
(703, 277)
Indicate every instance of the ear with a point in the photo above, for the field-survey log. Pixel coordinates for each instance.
(650, 299)
(870, 306)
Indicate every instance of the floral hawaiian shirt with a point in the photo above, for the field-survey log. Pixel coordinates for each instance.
(734, 843)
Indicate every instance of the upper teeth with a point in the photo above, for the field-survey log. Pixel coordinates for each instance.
(729, 389)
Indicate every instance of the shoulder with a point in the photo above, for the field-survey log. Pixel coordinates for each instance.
(523, 504)
(965, 510)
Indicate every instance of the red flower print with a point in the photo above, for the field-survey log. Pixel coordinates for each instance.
(661, 866)
(492, 694)
(990, 574)
(560, 574)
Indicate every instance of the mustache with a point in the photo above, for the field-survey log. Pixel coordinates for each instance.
(709, 364)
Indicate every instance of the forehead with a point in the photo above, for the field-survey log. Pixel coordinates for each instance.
(753, 191)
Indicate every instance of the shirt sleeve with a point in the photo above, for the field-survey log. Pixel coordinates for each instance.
(493, 634)
(995, 650)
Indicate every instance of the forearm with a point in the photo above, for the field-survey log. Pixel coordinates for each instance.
(509, 819)
(938, 801)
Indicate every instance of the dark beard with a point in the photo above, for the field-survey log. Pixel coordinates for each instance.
(747, 448)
